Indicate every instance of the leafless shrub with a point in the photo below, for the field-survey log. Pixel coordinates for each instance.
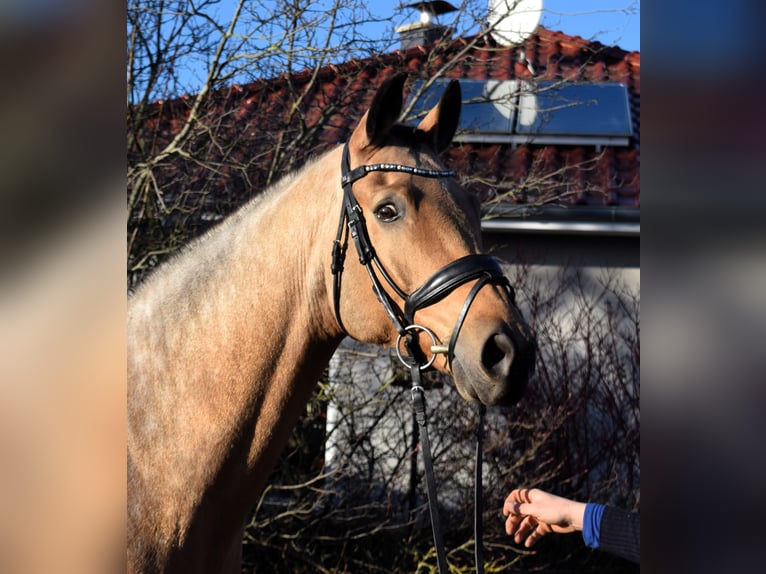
(576, 433)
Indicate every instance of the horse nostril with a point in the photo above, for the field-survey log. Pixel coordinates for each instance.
(497, 354)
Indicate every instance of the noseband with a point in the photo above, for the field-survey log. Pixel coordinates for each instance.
(483, 269)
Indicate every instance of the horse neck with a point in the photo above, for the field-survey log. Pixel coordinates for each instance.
(227, 342)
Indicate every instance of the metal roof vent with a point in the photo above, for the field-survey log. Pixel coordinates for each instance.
(427, 30)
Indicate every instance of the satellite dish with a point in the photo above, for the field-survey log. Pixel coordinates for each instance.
(512, 21)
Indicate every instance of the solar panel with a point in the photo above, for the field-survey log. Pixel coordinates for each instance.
(515, 111)
(488, 106)
(562, 108)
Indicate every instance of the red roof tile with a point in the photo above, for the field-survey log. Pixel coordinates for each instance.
(265, 114)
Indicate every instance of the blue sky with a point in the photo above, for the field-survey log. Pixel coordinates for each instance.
(611, 22)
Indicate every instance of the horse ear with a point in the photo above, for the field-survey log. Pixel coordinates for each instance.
(385, 109)
(441, 122)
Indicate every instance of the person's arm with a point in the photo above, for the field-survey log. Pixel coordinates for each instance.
(531, 514)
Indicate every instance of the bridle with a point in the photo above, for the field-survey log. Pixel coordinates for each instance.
(483, 269)
(463, 270)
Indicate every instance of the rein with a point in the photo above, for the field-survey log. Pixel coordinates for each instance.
(483, 269)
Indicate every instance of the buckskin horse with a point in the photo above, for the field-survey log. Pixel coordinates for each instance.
(227, 339)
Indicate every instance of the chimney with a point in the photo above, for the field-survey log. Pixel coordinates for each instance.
(427, 30)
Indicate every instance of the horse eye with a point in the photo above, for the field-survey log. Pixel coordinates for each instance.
(387, 212)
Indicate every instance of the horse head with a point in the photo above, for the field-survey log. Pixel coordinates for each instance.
(417, 233)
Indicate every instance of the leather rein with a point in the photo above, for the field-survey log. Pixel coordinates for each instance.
(483, 269)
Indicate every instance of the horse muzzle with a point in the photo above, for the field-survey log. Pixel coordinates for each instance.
(493, 363)
(491, 353)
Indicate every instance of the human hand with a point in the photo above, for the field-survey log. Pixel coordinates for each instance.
(533, 513)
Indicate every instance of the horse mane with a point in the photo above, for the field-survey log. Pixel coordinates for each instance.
(400, 134)
(211, 244)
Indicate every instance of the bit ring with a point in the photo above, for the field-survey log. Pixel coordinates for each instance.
(404, 360)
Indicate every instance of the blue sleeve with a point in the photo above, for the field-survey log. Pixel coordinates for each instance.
(591, 524)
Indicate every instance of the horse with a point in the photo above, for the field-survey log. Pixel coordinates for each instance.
(227, 339)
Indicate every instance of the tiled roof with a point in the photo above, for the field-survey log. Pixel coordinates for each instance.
(291, 118)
